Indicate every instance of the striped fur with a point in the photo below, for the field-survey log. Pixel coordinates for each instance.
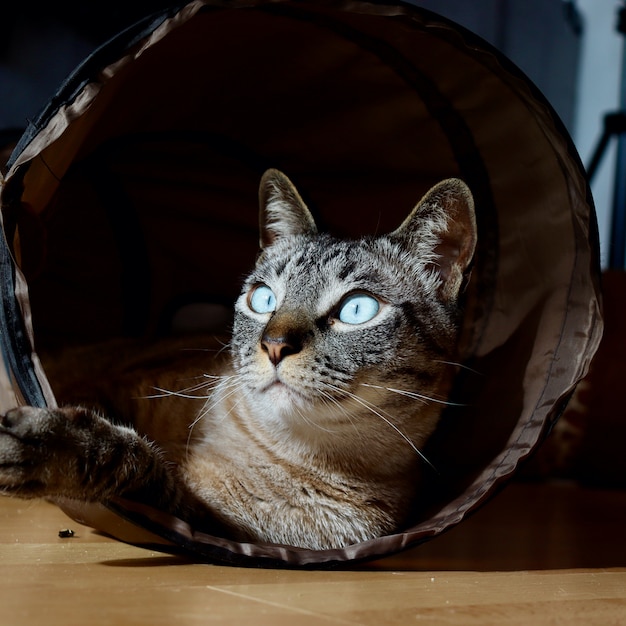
(310, 432)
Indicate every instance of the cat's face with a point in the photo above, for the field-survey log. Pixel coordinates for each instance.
(329, 331)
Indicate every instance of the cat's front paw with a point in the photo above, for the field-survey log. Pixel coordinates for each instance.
(26, 422)
(76, 453)
(24, 452)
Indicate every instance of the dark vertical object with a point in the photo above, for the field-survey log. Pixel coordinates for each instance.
(617, 245)
(615, 126)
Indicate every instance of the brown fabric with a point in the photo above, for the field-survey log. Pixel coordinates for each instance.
(587, 444)
(139, 194)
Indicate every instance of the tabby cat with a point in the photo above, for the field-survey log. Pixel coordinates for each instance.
(311, 424)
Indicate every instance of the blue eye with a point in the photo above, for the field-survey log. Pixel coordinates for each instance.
(358, 309)
(262, 299)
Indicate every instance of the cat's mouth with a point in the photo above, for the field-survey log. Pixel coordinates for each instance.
(275, 384)
(282, 392)
(280, 387)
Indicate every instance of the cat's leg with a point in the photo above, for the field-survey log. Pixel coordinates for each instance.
(75, 453)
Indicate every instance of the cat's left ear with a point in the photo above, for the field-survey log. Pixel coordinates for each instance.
(443, 227)
(283, 213)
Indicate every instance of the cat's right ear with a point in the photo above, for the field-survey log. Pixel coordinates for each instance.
(442, 228)
(282, 213)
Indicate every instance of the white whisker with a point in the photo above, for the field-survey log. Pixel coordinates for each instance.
(415, 395)
(189, 392)
(167, 393)
(232, 385)
(461, 366)
(306, 420)
(333, 402)
(378, 412)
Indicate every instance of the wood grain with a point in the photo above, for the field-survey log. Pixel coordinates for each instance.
(540, 554)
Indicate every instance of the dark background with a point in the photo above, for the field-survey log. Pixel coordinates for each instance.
(42, 41)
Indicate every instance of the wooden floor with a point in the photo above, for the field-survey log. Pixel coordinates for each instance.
(535, 555)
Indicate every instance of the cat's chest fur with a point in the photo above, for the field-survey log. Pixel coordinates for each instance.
(288, 490)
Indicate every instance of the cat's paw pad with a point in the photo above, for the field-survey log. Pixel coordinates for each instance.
(23, 450)
(25, 422)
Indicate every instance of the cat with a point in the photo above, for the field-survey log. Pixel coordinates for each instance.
(307, 431)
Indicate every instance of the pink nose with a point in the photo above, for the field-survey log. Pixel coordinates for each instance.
(277, 349)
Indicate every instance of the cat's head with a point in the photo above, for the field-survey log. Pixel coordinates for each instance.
(335, 337)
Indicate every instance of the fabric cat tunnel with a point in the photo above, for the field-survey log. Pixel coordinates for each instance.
(133, 197)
